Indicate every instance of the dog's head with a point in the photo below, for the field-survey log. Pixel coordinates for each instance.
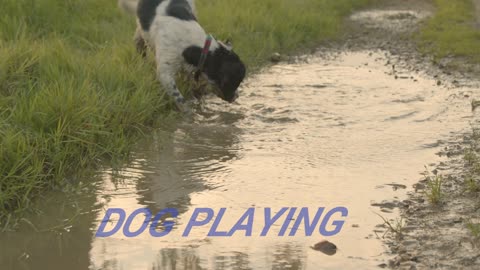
(223, 68)
(227, 72)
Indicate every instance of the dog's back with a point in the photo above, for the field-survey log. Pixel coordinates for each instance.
(178, 6)
(147, 10)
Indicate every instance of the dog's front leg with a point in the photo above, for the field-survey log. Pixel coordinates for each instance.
(166, 76)
(140, 43)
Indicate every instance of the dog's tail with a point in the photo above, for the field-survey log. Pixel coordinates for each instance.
(129, 6)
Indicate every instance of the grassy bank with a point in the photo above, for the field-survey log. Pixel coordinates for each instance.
(73, 91)
(452, 31)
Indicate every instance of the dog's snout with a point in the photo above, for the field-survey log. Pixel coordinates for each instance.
(234, 97)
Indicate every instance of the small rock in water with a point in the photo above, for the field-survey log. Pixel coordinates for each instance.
(326, 247)
(276, 57)
(475, 104)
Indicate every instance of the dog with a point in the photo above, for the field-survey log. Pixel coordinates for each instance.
(170, 28)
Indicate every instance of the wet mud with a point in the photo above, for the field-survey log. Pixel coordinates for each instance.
(432, 236)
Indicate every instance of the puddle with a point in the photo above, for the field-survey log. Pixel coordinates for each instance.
(392, 20)
(339, 132)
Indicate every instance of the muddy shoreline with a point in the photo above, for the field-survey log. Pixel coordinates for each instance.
(432, 236)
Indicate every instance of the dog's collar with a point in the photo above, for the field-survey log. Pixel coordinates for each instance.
(203, 56)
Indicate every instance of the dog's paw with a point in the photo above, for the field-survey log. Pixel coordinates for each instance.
(184, 107)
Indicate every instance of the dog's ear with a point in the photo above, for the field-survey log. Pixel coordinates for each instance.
(225, 80)
(229, 43)
(192, 55)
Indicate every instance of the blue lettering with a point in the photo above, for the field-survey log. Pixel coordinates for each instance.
(304, 215)
(287, 221)
(213, 230)
(269, 221)
(239, 226)
(108, 215)
(126, 228)
(338, 224)
(168, 225)
(193, 220)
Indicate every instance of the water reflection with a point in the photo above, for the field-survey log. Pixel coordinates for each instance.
(177, 161)
(306, 135)
(320, 134)
(58, 237)
(182, 161)
(173, 259)
(282, 257)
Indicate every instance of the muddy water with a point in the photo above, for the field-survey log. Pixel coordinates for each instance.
(325, 133)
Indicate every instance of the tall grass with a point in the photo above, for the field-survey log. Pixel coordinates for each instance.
(258, 28)
(73, 91)
(452, 31)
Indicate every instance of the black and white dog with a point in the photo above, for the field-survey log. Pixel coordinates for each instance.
(171, 29)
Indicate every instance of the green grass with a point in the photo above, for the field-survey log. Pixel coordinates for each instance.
(394, 227)
(434, 191)
(73, 91)
(452, 31)
(471, 185)
(474, 229)
(472, 163)
(259, 28)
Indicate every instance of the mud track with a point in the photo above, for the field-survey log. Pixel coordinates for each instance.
(434, 237)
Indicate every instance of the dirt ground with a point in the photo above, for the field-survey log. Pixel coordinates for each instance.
(434, 237)
(391, 25)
